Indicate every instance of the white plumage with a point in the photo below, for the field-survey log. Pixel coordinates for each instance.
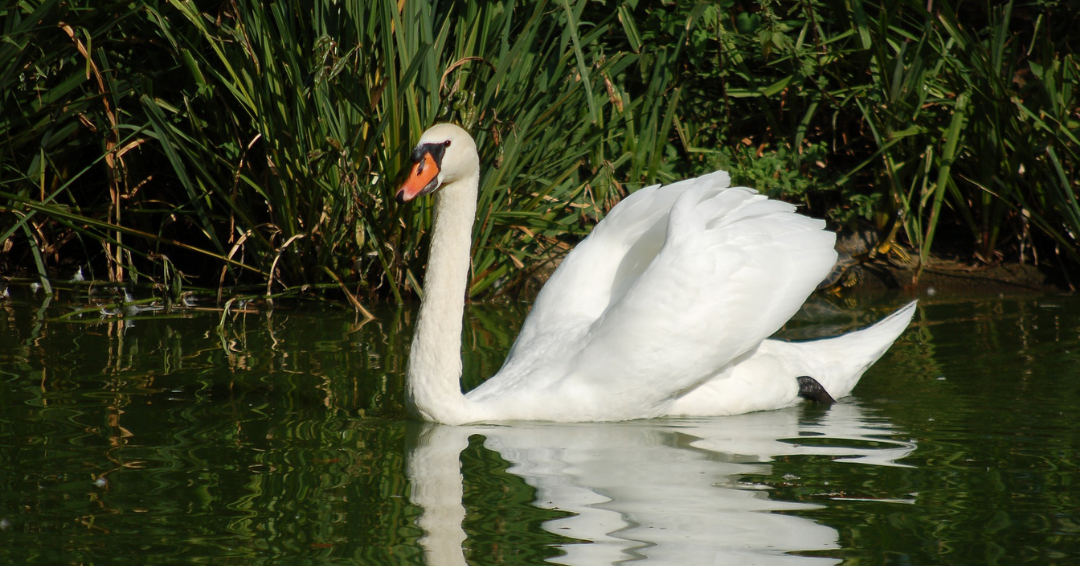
(665, 309)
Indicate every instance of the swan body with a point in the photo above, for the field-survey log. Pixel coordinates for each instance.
(665, 309)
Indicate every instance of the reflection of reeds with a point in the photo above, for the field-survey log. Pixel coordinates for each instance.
(251, 451)
(987, 388)
(291, 444)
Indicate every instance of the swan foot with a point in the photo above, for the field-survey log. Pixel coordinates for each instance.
(809, 388)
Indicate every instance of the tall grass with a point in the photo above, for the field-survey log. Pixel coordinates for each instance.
(989, 155)
(255, 143)
(275, 133)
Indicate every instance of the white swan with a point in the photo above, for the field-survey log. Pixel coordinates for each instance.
(663, 310)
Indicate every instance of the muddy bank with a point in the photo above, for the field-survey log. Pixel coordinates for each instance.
(951, 277)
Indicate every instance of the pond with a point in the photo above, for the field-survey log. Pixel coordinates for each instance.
(278, 436)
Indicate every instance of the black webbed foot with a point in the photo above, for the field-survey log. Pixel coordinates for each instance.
(809, 388)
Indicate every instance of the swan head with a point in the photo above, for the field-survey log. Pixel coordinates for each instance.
(445, 154)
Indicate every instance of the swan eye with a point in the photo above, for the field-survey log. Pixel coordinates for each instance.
(446, 143)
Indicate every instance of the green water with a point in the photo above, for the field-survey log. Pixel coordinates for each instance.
(153, 438)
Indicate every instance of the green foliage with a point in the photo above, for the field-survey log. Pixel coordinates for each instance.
(275, 133)
(336, 103)
(260, 143)
(967, 118)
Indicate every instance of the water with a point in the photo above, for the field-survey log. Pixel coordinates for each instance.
(155, 438)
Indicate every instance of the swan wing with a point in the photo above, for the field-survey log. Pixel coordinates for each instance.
(670, 287)
(734, 268)
(603, 267)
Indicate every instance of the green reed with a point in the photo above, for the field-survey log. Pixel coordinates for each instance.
(254, 143)
(866, 110)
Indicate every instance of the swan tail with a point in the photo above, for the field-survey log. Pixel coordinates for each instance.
(768, 377)
(838, 363)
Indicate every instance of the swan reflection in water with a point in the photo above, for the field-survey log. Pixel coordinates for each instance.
(656, 491)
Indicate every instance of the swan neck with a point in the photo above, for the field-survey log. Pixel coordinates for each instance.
(434, 371)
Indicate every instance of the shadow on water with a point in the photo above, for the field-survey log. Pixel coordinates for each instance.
(153, 437)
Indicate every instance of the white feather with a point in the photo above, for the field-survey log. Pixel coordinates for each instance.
(664, 309)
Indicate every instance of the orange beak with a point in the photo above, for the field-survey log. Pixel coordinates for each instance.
(423, 179)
